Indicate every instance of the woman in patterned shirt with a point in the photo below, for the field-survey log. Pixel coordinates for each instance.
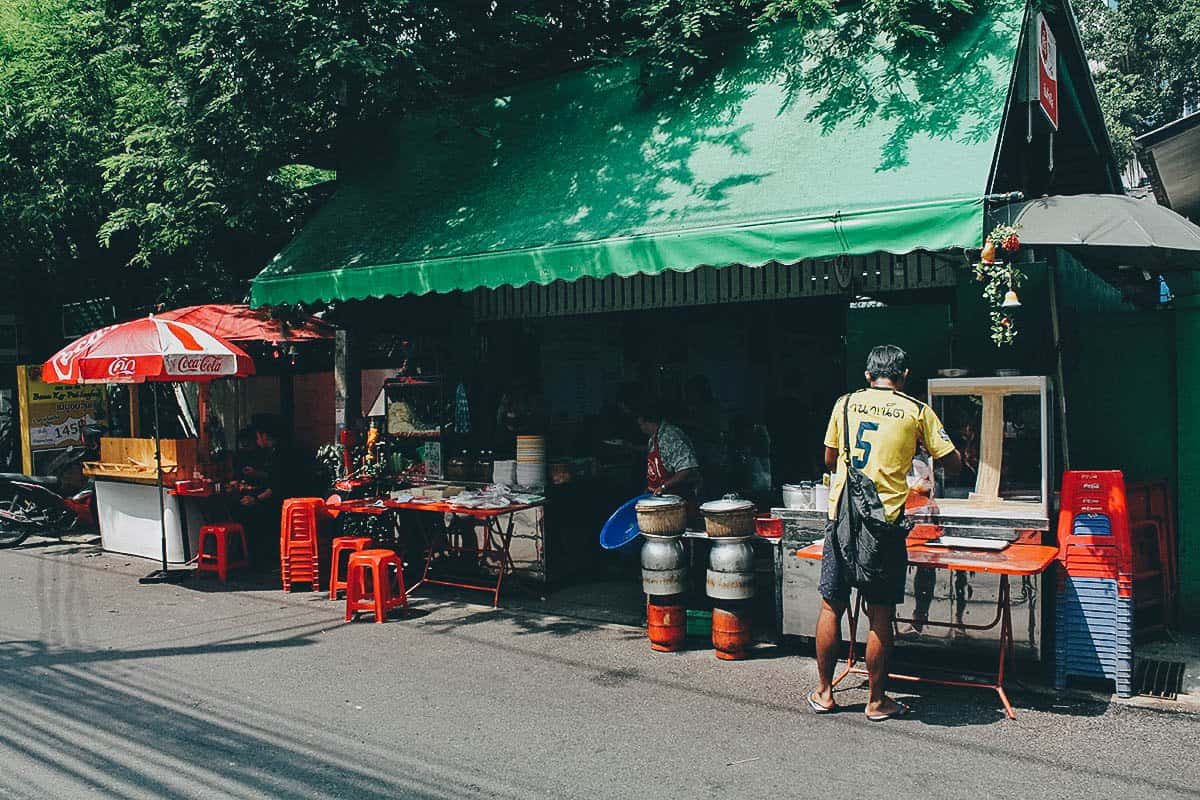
(671, 463)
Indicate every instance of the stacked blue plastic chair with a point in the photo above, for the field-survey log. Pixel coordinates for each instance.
(1094, 609)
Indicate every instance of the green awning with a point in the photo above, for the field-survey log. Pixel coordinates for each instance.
(580, 176)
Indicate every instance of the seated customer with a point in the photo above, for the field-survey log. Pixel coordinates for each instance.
(260, 490)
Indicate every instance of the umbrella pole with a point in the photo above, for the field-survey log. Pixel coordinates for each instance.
(162, 506)
(163, 575)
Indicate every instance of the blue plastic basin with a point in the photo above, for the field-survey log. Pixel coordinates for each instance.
(621, 530)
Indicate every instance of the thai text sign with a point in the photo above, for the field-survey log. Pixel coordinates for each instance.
(53, 416)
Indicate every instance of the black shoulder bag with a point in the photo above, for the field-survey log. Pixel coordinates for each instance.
(861, 527)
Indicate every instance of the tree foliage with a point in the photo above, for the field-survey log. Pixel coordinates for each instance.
(175, 145)
(183, 138)
(1145, 57)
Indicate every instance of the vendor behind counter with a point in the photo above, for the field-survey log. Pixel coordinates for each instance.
(672, 466)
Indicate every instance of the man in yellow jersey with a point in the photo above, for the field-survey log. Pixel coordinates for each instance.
(885, 427)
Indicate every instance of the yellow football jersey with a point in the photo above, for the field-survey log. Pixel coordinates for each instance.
(885, 428)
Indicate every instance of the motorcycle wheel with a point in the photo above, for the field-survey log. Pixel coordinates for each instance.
(13, 533)
(11, 536)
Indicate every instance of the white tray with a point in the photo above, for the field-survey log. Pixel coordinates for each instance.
(968, 542)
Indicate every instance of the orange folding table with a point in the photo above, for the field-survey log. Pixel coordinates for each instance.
(1016, 559)
(494, 550)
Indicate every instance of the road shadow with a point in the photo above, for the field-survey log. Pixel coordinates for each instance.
(525, 623)
(955, 706)
(67, 544)
(114, 732)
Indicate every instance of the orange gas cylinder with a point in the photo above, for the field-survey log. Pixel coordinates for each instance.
(730, 634)
(667, 626)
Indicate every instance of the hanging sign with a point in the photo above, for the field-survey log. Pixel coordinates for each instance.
(1046, 73)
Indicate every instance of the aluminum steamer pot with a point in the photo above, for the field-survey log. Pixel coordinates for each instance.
(662, 516)
(729, 516)
(731, 568)
(664, 570)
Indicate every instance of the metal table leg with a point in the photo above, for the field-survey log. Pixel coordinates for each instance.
(495, 546)
(1003, 619)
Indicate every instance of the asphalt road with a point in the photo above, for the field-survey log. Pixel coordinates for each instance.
(111, 689)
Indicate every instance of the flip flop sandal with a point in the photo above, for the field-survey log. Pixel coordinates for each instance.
(901, 711)
(817, 708)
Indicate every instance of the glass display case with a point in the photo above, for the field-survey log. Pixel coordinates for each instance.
(1002, 429)
(413, 408)
(413, 411)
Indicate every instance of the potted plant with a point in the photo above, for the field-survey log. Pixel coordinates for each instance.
(1001, 278)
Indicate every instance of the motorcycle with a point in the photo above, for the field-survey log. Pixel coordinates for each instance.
(35, 505)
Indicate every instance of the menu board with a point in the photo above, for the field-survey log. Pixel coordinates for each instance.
(53, 416)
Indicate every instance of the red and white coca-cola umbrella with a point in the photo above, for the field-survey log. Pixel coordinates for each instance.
(147, 349)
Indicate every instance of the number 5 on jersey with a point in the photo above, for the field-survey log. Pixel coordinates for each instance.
(862, 444)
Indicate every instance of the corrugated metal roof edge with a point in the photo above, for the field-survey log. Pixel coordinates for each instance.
(945, 224)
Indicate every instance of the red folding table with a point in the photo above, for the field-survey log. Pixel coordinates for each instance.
(1016, 559)
(494, 549)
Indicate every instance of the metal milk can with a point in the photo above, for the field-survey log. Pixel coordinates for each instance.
(664, 569)
(731, 568)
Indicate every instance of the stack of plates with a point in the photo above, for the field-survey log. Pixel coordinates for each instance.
(531, 449)
(531, 462)
(531, 475)
(504, 473)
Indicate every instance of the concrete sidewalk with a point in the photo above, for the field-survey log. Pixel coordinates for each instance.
(112, 689)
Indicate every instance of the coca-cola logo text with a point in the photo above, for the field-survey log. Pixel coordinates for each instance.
(122, 367)
(198, 365)
(64, 360)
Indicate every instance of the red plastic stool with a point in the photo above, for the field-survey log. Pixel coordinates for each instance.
(382, 598)
(344, 544)
(218, 560)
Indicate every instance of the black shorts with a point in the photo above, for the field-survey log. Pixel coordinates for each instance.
(835, 580)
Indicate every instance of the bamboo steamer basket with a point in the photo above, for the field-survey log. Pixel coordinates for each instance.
(729, 516)
(662, 516)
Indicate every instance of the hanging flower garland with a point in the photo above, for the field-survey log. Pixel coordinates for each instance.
(1001, 279)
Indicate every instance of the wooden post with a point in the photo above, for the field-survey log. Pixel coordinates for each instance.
(991, 449)
(202, 421)
(24, 375)
(135, 410)
(347, 382)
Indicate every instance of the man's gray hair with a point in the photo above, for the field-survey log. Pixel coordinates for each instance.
(887, 361)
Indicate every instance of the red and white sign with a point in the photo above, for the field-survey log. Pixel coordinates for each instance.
(147, 349)
(1047, 70)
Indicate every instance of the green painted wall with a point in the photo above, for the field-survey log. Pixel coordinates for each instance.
(922, 330)
(973, 346)
(1187, 350)
(1119, 370)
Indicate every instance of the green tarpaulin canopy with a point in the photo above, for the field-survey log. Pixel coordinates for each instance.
(776, 156)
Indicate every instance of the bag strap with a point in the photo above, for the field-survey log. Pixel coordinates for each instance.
(844, 500)
(846, 426)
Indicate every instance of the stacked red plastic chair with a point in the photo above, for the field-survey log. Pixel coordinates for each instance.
(1094, 609)
(1155, 555)
(298, 532)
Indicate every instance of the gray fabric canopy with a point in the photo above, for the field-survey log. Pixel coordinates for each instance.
(1112, 229)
